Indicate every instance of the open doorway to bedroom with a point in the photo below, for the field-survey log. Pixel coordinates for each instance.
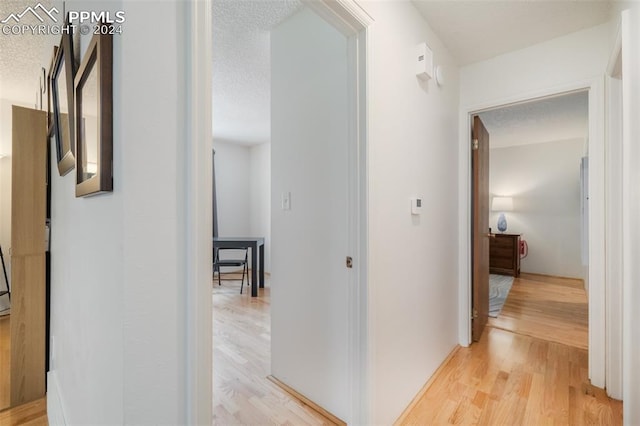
(538, 186)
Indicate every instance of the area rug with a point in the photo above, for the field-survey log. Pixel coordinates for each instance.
(499, 286)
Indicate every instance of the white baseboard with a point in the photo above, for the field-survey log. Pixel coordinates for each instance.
(55, 412)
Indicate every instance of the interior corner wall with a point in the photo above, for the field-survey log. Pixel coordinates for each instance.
(260, 197)
(117, 283)
(413, 260)
(544, 181)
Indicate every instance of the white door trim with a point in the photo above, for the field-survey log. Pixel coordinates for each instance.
(198, 40)
(615, 221)
(597, 299)
(355, 23)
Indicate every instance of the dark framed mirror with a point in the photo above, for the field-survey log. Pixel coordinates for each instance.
(50, 120)
(94, 118)
(62, 91)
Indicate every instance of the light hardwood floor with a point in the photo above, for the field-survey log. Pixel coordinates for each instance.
(5, 361)
(549, 308)
(31, 414)
(529, 368)
(242, 395)
(513, 379)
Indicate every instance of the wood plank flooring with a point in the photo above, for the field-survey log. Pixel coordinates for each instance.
(548, 308)
(5, 361)
(30, 414)
(513, 379)
(529, 368)
(242, 395)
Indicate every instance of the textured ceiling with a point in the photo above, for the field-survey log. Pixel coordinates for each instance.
(21, 56)
(552, 119)
(241, 67)
(478, 30)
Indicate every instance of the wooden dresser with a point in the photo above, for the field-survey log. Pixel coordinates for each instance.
(504, 254)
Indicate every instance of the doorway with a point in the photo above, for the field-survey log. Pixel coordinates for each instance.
(306, 191)
(538, 204)
(596, 223)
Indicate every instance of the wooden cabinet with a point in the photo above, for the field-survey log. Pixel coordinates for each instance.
(28, 287)
(504, 254)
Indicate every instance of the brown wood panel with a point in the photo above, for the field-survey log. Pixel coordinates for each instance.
(480, 227)
(5, 361)
(27, 329)
(28, 181)
(28, 215)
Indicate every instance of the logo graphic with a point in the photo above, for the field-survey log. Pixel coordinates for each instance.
(34, 12)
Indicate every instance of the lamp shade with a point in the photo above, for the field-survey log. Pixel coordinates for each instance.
(502, 204)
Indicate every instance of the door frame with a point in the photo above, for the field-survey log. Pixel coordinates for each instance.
(597, 229)
(351, 19)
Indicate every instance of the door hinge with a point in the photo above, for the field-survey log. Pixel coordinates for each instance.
(475, 144)
(474, 313)
(349, 262)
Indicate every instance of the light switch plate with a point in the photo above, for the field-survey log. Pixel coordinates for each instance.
(286, 201)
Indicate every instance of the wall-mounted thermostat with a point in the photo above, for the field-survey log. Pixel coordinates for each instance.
(424, 62)
(416, 205)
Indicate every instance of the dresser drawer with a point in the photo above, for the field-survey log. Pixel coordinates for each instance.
(504, 254)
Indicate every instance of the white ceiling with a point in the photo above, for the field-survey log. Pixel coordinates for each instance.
(21, 56)
(241, 67)
(241, 57)
(547, 120)
(474, 30)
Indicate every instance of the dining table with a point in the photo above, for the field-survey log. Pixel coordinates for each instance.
(256, 245)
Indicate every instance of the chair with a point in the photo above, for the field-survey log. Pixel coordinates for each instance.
(235, 262)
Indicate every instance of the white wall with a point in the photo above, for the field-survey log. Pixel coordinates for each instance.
(413, 151)
(555, 63)
(260, 197)
(233, 177)
(544, 181)
(309, 136)
(243, 187)
(118, 274)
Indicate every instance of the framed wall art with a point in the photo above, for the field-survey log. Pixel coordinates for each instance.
(50, 120)
(94, 118)
(62, 90)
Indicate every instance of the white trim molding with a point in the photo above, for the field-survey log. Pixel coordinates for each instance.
(631, 213)
(596, 214)
(198, 40)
